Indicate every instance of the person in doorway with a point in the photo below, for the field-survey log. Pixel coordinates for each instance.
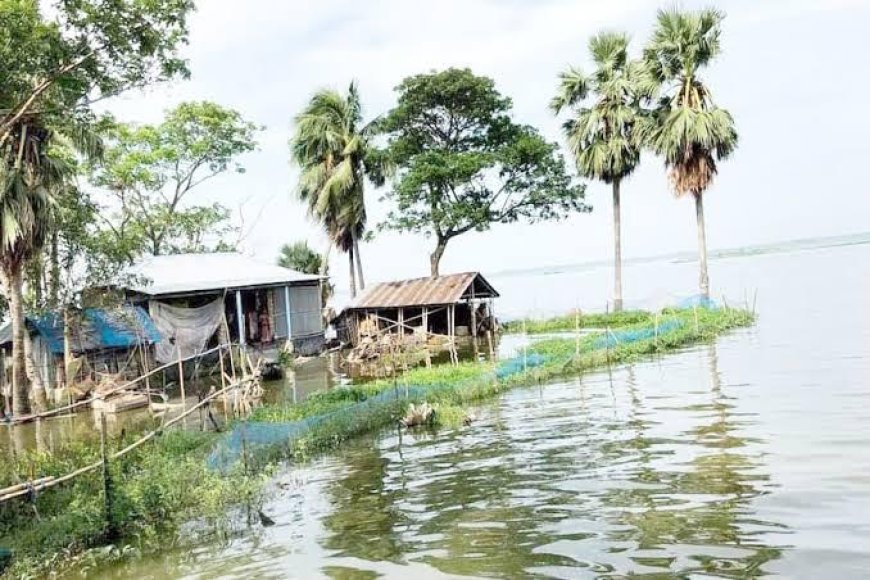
(265, 326)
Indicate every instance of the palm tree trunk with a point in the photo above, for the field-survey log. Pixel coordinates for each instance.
(352, 274)
(20, 394)
(54, 272)
(359, 270)
(702, 246)
(435, 257)
(33, 374)
(617, 249)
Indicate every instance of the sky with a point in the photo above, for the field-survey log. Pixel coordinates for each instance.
(792, 72)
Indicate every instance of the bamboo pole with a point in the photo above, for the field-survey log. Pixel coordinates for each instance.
(108, 496)
(181, 375)
(525, 346)
(577, 332)
(124, 387)
(27, 487)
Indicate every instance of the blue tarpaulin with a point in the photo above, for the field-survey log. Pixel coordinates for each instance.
(97, 328)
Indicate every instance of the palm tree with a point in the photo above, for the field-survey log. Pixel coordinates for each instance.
(602, 135)
(687, 129)
(303, 258)
(32, 170)
(335, 154)
(25, 216)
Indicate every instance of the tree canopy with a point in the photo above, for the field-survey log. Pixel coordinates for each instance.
(464, 164)
(301, 257)
(687, 129)
(58, 57)
(603, 130)
(150, 171)
(335, 153)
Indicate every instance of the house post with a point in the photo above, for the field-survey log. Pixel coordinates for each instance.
(240, 318)
(287, 312)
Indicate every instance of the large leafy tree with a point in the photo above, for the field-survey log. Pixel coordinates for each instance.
(335, 155)
(687, 128)
(602, 132)
(464, 164)
(151, 171)
(62, 55)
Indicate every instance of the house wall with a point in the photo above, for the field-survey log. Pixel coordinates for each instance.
(279, 312)
(306, 317)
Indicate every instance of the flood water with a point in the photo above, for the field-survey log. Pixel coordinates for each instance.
(746, 457)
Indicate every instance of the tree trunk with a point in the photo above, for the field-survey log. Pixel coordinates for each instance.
(54, 272)
(359, 270)
(37, 386)
(67, 347)
(20, 398)
(702, 246)
(352, 274)
(617, 249)
(435, 257)
(324, 268)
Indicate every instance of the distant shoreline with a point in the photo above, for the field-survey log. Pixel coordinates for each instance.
(798, 244)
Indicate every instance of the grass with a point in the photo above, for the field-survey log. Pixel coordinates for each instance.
(450, 389)
(161, 486)
(571, 321)
(157, 488)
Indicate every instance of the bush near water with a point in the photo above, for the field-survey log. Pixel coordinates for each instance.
(161, 486)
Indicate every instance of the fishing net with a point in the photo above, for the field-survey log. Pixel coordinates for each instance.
(358, 417)
(698, 301)
(613, 338)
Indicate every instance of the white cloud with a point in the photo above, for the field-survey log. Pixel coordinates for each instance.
(265, 58)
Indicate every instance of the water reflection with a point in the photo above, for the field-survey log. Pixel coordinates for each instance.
(367, 524)
(696, 516)
(597, 475)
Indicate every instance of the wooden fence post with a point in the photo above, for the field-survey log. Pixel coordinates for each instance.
(181, 375)
(108, 495)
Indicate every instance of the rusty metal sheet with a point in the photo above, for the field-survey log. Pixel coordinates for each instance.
(447, 289)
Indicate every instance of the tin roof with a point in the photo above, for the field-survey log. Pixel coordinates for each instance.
(447, 289)
(189, 273)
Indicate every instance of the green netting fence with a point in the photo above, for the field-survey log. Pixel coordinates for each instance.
(248, 436)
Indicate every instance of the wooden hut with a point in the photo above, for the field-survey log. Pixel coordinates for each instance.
(453, 305)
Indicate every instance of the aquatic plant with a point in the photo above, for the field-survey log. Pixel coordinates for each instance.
(572, 321)
(160, 487)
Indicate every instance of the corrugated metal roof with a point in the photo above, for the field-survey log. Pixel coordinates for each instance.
(185, 273)
(447, 289)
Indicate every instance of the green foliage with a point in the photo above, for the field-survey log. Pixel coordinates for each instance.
(161, 486)
(58, 56)
(335, 154)
(570, 322)
(602, 135)
(687, 129)
(465, 165)
(151, 170)
(301, 257)
(157, 488)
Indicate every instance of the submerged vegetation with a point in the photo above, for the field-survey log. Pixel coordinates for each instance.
(160, 487)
